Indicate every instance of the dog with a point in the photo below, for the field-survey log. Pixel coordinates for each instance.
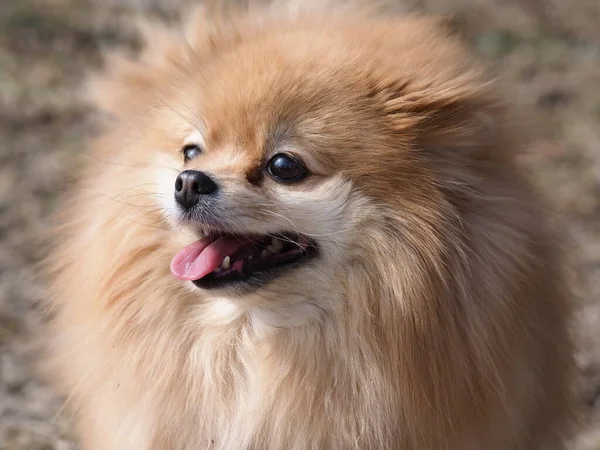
(308, 231)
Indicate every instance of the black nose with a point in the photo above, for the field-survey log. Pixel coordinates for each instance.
(190, 185)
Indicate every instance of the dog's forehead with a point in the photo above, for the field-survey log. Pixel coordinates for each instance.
(248, 119)
(262, 122)
(261, 86)
(233, 132)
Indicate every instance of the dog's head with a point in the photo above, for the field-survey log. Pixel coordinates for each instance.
(287, 152)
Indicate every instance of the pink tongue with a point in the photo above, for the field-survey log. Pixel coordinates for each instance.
(202, 257)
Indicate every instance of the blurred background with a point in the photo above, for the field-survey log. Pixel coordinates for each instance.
(546, 51)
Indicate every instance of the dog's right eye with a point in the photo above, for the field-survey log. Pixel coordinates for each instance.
(190, 151)
(286, 168)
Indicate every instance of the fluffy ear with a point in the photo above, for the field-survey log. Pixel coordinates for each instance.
(455, 124)
(444, 107)
(415, 104)
(431, 79)
(127, 85)
(212, 27)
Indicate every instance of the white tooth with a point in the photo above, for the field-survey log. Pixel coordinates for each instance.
(264, 253)
(218, 270)
(250, 257)
(271, 249)
(277, 245)
(226, 264)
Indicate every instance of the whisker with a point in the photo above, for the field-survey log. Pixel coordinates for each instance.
(145, 194)
(133, 166)
(305, 234)
(282, 216)
(172, 109)
(285, 238)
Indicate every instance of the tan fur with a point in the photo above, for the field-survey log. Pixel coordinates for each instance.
(436, 317)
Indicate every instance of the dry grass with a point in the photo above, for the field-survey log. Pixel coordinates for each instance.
(548, 53)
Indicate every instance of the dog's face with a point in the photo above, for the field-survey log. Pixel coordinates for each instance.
(283, 155)
(263, 178)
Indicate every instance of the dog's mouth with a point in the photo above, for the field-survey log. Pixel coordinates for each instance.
(221, 259)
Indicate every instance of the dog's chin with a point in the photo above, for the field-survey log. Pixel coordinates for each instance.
(250, 261)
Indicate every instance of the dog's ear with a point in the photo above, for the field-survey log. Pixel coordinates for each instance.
(431, 81)
(442, 110)
(432, 113)
(212, 27)
(130, 85)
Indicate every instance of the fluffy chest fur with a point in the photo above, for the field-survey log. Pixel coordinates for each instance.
(235, 386)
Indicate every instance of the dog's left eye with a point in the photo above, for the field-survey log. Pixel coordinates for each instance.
(190, 151)
(284, 167)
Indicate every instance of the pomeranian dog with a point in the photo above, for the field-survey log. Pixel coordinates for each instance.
(308, 231)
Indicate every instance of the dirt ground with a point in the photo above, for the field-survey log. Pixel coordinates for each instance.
(547, 51)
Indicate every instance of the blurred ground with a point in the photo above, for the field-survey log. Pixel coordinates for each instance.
(547, 51)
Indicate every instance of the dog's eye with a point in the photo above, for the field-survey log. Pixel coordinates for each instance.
(190, 151)
(284, 167)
